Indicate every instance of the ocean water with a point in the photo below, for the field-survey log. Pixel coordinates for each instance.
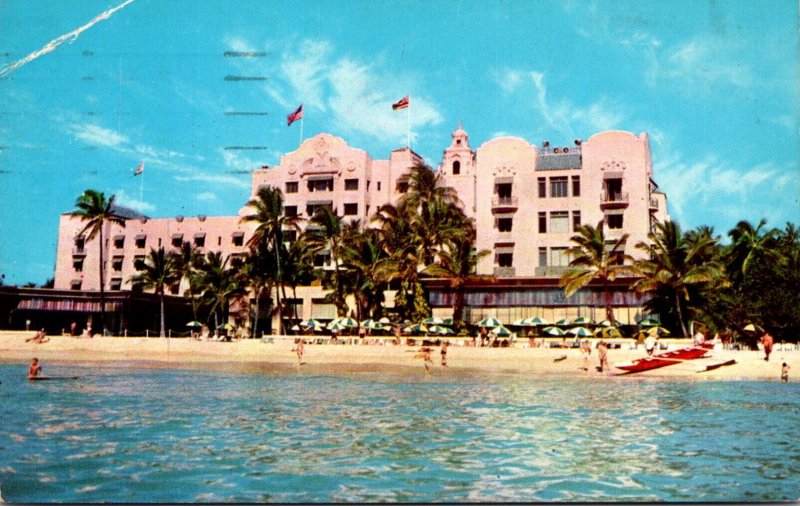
(127, 434)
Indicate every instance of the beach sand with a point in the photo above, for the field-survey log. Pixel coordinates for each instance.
(346, 358)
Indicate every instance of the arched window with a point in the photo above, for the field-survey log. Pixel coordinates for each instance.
(456, 168)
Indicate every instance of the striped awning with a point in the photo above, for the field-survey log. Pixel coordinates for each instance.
(199, 235)
(238, 234)
(318, 177)
(504, 180)
(83, 306)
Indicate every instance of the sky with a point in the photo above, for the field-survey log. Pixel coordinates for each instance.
(90, 89)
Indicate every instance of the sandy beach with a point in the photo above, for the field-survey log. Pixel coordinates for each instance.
(344, 358)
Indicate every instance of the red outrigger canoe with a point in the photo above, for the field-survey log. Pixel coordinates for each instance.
(664, 359)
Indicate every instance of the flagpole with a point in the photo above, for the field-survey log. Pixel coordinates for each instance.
(408, 124)
(302, 122)
(141, 190)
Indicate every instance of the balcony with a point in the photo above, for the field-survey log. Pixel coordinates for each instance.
(653, 204)
(550, 272)
(504, 272)
(613, 200)
(504, 203)
(78, 251)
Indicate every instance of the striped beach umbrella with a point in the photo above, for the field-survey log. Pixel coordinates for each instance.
(194, 324)
(580, 332)
(501, 331)
(438, 329)
(554, 331)
(657, 331)
(335, 326)
(604, 323)
(385, 321)
(348, 322)
(310, 323)
(536, 320)
(489, 322)
(372, 325)
(316, 326)
(433, 320)
(415, 329)
(608, 332)
(563, 322)
(649, 322)
(582, 320)
(448, 321)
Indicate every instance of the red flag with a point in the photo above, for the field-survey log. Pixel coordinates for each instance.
(296, 115)
(401, 104)
(139, 169)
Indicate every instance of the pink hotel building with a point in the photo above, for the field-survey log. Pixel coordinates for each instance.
(527, 201)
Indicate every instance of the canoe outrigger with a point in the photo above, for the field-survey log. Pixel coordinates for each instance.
(664, 359)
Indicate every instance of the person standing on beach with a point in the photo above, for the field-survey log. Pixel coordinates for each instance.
(35, 369)
(299, 350)
(784, 373)
(586, 351)
(425, 355)
(445, 344)
(602, 350)
(650, 344)
(767, 341)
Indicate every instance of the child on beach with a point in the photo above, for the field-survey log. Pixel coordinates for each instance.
(784, 373)
(602, 350)
(586, 351)
(425, 355)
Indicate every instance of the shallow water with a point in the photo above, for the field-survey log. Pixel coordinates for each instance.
(123, 434)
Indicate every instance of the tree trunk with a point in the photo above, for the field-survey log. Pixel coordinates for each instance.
(161, 296)
(102, 287)
(255, 316)
(680, 314)
(609, 310)
(279, 283)
(458, 305)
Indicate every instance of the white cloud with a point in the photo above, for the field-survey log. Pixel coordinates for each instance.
(206, 197)
(125, 200)
(97, 135)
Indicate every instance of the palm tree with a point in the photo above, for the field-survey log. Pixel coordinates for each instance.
(675, 264)
(748, 245)
(271, 221)
(185, 261)
(256, 270)
(594, 258)
(218, 284)
(328, 234)
(458, 263)
(362, 261)
(96, 211)
(159, 270)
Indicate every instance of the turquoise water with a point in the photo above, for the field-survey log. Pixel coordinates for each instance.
(123, 434)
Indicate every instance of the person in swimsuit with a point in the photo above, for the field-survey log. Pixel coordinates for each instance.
(35, 369)
(445, 344)
(784, 373)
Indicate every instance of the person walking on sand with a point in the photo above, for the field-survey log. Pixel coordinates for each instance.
(35, 369)
(767, 341)
(784, 373)
(425, 355)
(602, 351)
(586, 352)
(445, 344)
(650, 344)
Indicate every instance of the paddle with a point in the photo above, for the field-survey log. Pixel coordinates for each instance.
(43, 378)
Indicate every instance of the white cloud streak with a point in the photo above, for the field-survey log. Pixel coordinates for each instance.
(53, 44)
(125, 200)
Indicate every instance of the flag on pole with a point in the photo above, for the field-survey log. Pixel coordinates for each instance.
(139, 170)
(296, 115)
(403, 103)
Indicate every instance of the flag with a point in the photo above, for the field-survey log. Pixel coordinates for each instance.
(296, 115)
(401, 104)
(139, 169)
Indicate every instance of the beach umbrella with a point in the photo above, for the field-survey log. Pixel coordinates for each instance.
(316, 326)
(194, 324)
(372, 325)
(563, 322)
(295, 327)
(751, 327)
(385, 321)
(348, 322)
(580, 332)
(522, 322)
(448, 321)
(608, 332)
(582, 320)
(536, 320)
(604, 323)
(489, 322)
(415, 329)
(438, 329)
(501, 331)
(433, 320)
(309, 323)
(335, 326)
(554, 331)
(649, 322)
(658, 331)
(226, 326)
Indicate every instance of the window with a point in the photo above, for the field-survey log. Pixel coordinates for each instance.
(542, 187)
(290, 235)
(503, 190)
(576, 220)
(116, 283)
(138, 262)
(559, 257)
(141, 241)
(505, 224)
(77, 264)
(119, 241)
(456, 167)
(116, 263)
(321, 185)
(558, 186)
(290, 211)
(379, 186)
(237, 260)
(542, 222)
(173, 289)
(559, 222)
(312, 208)
(200, 240)
(614, 221)
(458, 142)
(613, 189)
(350, 209)
(321, 259)
(576, 186)
(402, 187)
(368, 182)
(542, 257)
(238, 239)
(75, 284)
(351, 184)
(292, 187)
(505, 259)
(177, 240)
(219, 240)
(80, 243)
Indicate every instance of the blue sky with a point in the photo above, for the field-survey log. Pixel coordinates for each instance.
(714, 83)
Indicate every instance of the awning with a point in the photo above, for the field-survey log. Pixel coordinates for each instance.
(613, 175)
(503, 180)
(324, 177)
(503, 215)
(609, 212)
(119, 237)
(238, 234)
(140, 237)
(319, 203)
(83, 306)
(200, 235)
(504, 249)
(177, 236)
